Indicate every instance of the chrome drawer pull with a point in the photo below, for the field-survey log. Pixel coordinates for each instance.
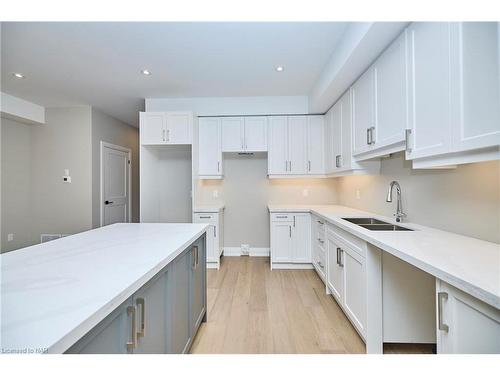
(132, 344)
(140, 301)
(442, 326)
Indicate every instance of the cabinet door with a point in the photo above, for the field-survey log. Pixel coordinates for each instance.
(363, 116)
(428, 89)
(315, 144)
(328, 143)
(301, 238)
(179, 128)
(110, 336)
(281, 242)
(178, 303)
(198, 285)
(210, 154)
(475, 85)
(391, 95)
(337, 135)
(354, 287)
(153, 128)
(345, 160)
(334, 270)
(255, 134)
(297, 144)
(473, 326)
(277, 157)
(151, 328)
(232, 129)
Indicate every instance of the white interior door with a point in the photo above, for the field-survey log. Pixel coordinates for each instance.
(115, 184)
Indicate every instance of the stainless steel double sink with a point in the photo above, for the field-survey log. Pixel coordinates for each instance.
(375, 224)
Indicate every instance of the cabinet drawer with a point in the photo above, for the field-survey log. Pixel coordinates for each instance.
(281, 217)
(200, 217)
(319, 226)
(355, 243)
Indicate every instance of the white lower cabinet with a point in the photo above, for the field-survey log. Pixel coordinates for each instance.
(465, 325)
(346, 280)
(318, 246)
(215, 235)
(290, 240)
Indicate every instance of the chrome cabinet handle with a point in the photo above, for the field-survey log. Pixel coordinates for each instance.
(407, 140)
(294, 221)
(215, 232)
(290, 228)
(133, 343)
(372, 136)
(320, 222)
(309, 165)
(142, 303)
(368, 136)
(281, 217)
(290, 165)
(168, 135)
(338, 250)
(320, 240)
(163, 135)
(195, 257)
(218, 166)
(321, 265)
(339, 161)
(442, 326)
(341, 263)
(205, 217)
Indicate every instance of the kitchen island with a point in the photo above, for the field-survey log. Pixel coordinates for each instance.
(123, 288)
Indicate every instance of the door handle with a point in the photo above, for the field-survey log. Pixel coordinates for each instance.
(133, 343)
(407, 140)
(141, 302)
(108, 202)
(442, 326)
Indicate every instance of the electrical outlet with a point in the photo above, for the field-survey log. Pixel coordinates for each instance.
(215, 193)
(358, 194)
(245, 249)
(10, 237)
(305, 192)
(66, 179)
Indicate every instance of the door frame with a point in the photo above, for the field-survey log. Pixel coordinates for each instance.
(101, 184)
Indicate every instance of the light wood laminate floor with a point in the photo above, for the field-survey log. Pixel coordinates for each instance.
(252, 309)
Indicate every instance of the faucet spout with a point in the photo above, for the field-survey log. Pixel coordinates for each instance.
(399, 206)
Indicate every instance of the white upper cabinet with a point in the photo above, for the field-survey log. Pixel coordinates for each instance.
(244, 134)
(454, 99)
(255, 134)
(429, 88)
(209, 148)
(315, 144)
(363, 112)
(475, 85)
(391, 96)
(379, 100)
(297, 144)
(336, 136)
(277, 157)
(166, 128)
(232, 129)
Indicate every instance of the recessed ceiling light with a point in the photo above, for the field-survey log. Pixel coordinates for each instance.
(146, 72)
(18, 75)
(279, 68)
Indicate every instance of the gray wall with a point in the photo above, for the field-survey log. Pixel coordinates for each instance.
(16, 183)
(108, 129)
(464, 200)
(247, 191)
(62, 143)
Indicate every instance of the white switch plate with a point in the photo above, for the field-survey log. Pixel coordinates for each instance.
(358, 194)
(10, 237)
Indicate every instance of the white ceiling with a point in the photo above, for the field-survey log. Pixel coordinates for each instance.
(100, 64)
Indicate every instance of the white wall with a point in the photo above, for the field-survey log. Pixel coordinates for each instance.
(463, 200)
(64, 142)
(16, 184)
(237, 106)
(246, 192)
(108, 129)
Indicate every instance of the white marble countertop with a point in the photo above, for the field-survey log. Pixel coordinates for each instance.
(467, 263)
(209, 208)
(54, 293)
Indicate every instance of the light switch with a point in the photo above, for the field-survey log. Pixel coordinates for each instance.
(10, 237)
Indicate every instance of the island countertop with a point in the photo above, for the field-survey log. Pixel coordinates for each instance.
(53, 293)
(467, 263)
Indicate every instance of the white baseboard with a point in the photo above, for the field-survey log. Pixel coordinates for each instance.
(254, 251)
(291, 266)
